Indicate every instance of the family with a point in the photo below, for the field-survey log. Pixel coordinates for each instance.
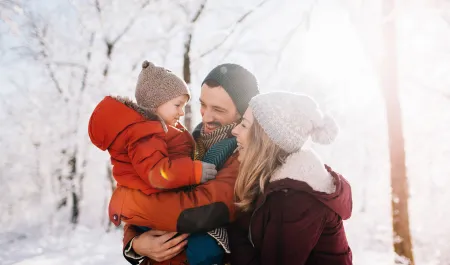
(244, 188)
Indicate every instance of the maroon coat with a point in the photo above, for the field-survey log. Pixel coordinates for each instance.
(298, 219)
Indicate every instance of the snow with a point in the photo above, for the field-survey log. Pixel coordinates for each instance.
(79, 246)
(326, 58)
(92, 246)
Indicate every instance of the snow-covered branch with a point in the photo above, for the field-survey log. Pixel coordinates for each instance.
(233, 29)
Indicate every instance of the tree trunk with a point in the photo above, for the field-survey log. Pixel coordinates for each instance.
(187, 79)
(399, 182)
(187, 63)
(73, 175)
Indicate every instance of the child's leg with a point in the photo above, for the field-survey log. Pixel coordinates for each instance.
(142, 229)
(202, 249)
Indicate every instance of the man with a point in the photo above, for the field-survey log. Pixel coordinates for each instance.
(225, 94)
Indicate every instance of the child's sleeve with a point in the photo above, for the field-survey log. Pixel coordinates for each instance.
(150, 158)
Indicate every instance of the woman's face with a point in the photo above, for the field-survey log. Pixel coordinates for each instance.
(242, 133)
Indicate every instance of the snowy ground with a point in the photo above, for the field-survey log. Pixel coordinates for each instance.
(81, 246)
(87, 246)
(369, 238)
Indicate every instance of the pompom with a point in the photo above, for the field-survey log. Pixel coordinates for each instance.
(326, 132)
(146, 64)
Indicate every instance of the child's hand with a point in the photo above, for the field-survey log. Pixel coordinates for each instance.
(209, 172)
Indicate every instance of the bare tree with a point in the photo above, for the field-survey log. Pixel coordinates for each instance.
(70, 79)
(70, 180)
(399, 181)
(187, 60)
(76, 69)
(111, 42)
(387, 68)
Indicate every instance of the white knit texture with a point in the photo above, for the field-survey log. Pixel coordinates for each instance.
(306, 166)
(289, 120)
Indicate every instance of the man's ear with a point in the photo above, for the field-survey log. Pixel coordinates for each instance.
(238, 118)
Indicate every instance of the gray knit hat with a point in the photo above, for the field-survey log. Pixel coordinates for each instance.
(237, 81)
(290, 119)
(157, 85)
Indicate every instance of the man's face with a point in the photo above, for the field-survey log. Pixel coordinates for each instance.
(217, 108)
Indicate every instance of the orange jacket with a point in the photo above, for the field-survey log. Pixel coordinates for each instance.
(203, 208)
(145, 154)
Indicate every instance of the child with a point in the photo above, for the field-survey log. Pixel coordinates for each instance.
(150, 150)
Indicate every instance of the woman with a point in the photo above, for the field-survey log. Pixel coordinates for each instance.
(291, 204)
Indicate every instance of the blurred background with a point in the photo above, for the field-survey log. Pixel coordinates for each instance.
(380, 67)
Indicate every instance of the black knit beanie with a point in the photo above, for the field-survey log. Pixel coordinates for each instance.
(239, 83)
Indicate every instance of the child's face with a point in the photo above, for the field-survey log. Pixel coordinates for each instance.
(172, 110)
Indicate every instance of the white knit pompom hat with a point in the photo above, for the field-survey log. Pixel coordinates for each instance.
(289, 120)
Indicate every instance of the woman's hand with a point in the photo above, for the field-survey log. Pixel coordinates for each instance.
(159, 245)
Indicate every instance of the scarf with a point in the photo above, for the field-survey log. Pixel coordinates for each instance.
(204, 141)
(216, 155)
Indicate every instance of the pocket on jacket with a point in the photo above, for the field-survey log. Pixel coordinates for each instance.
(116, 205)
(121, 208)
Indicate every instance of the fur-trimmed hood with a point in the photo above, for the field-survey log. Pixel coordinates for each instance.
(146, 113)
(304, 171)
(113, 115)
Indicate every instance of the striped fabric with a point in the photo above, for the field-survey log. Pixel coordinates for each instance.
(200, 149)
(210, 139)
(216, 148)
(220, 152)
(221, 236)
(217, 155)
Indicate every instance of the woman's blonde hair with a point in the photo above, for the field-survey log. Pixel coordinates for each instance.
(262, 157)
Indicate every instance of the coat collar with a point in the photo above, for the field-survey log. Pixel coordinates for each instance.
(146, 113)
(306, 166)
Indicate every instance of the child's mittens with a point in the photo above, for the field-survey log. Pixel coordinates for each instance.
(209, 172)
